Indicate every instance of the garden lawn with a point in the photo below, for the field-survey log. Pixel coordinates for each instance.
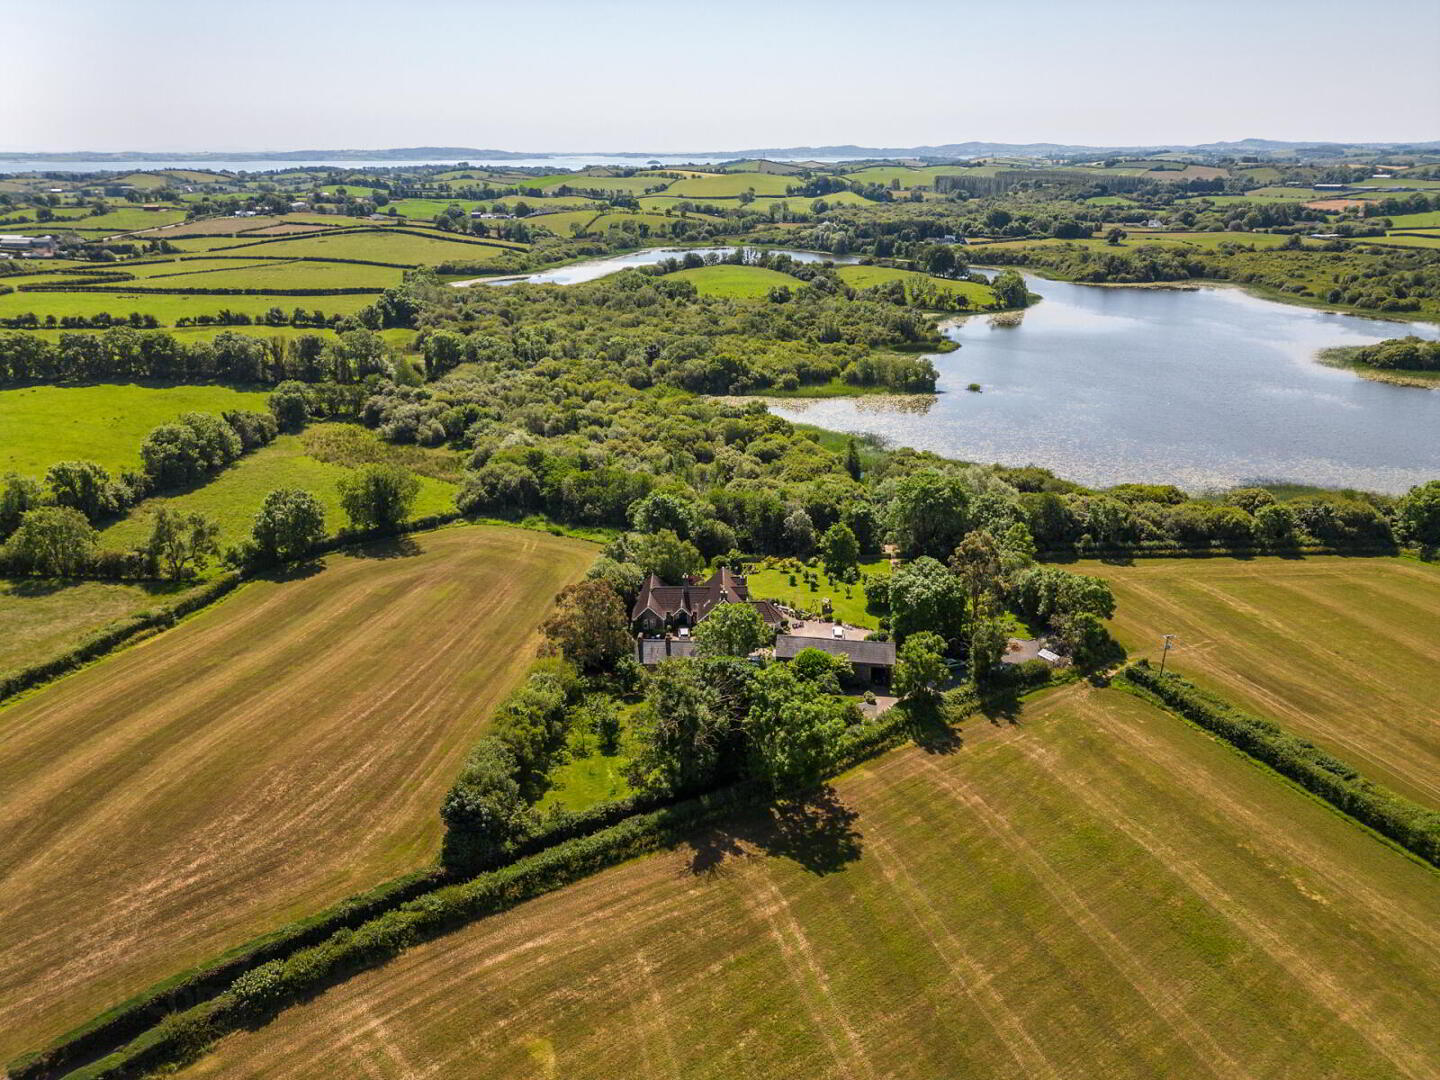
(773, 583)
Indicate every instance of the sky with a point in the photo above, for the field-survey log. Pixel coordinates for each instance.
(693, 76)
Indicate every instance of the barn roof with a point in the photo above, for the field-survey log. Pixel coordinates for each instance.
(881, 653)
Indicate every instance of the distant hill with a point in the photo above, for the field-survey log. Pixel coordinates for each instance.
(773, 154)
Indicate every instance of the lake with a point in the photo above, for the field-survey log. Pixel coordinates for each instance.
(1202, 388)
(591, 269)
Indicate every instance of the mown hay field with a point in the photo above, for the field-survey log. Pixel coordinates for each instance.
(1342, 651)
(1098, 890)
(104, 422)
(282, 749)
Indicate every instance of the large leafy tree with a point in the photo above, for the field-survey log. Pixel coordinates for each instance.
(288, 526)
(1419, 514)
(83, 486)
(732, 630)
(920, 668)
(924, 595)
(52, 541)
(928, 512)
(839, 550)
(793, 728)
(181, 544)
(680, 729)
(378, 496)
(589, 627)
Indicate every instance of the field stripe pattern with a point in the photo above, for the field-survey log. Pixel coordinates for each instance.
(1098, 890)
(1340, 651)
(276, 753)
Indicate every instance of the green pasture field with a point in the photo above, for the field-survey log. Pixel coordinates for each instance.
(169, 308)
(45, 618)
(234, 495)
(1425, 220)
(623, 217)
(548, 202)
(759, 205)
(865, 277)
(275, 274)
(731, 184)
(126, 219)
(628, 185)
(1391, 240)
(103, 422)
(1111, 200)
(563, 222)
(1342, 651)
(1095, 889)
(397, 337)
(269, 756)
(192, 176)
(739, 282)
(360, 191)
(380, 246)
(429, 208)
(771, 581)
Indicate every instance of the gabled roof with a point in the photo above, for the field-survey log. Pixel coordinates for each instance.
(698, 599)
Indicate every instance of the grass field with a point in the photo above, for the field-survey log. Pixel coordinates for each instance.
(730, 185)
(281, 750)
(44, 618)
(235, 494)
(106, 422)
(379, 246)
(741, 282)
(865, 277)
(628, 185)
(169, 307)
(1344, 652)
(1392, 240)
(1098, 890)
(1428, 219)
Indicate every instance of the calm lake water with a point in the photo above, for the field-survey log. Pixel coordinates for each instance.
(579, 272)
(1202, 388)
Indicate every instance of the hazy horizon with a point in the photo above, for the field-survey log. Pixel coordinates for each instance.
(566, 77)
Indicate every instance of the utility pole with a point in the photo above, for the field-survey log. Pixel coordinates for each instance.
(1165, 651)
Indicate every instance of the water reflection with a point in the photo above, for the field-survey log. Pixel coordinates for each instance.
(1201, 387)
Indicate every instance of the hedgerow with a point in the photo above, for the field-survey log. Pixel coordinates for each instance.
(1413, 827)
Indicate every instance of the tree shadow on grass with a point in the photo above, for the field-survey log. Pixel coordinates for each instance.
(817, 831)
(297, 571)
(1001, 707)
(930, 728)
(395, 547)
